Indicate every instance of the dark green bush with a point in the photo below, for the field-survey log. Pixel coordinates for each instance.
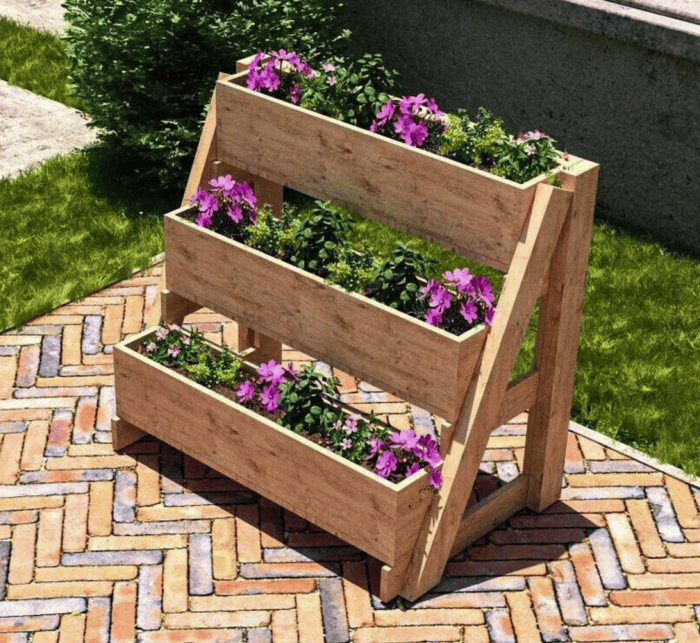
(146, 70)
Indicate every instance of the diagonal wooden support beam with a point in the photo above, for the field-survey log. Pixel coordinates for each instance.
(481, 408)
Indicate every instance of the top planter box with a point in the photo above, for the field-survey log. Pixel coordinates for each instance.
(475, 213)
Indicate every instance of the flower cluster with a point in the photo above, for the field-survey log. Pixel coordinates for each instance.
(473, 300)
(405, 453)
(299, 401)
(231, 210)
(416, 120)
(270, 79)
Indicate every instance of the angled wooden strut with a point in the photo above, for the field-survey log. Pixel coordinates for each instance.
(482, 406)
(206, 166)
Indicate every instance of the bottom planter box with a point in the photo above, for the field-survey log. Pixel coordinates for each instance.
(376, 516)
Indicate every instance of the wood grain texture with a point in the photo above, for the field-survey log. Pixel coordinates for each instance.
(477, 214)
(397, 353)
(377, 516)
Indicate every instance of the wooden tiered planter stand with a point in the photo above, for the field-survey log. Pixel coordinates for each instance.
(538, 234)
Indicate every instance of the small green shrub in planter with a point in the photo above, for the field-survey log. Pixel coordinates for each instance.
(146, 70)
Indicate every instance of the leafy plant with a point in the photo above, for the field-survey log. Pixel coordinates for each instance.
(353, 271)
(146, 70)
(395, 282)
(318, 238)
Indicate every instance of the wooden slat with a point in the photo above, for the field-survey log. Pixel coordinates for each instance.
(274, 462)
(124, 434)
(557, 343)
(461, 208)
(397, 353)
(483, 402)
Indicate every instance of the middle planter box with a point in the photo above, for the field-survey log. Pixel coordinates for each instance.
(419, 363)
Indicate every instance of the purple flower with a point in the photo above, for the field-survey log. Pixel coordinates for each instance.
(222, 183)
(305, 69)
(435, 478)
(429, 288)
(292, 372)
(529, 150)
(269, 397)
(413, 469)
(488, 316)
(351, 425)
(204, 219)
(290, 57)
(407, 439)
(346, 444)
(256, 60)
(174, 350)
(432, 107)
(433, 317)
(243, 191)
(480, 288)
(386, 464)
(234, 211)
(459, 278)
(440, 299)
(162, 333)
(384, 115)
(245, 391)
(410, 105)
(427, 450)
(186, 341)
(271, 372)
(412, 133)
(374, 445)
(329, 67)
(150, 347)
(294, 94)
(331, 80)
(468, 310)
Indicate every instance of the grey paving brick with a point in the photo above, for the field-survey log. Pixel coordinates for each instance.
(89, 475)
(433, 601)
(569, 596)
(595, 598)
(607, 562)
(124, 497)
(601, 493)
(627, 632)
(13, 427)
(257, 570)
(259, 635)
(507, 471)
(53, 489)
(335, 621)
(618, 466)
(5, 549)
(510, 430)
(7, 518)
(150, 601)
(324, 368)
(311, 554)
(547, 611)
(78, 391)
(480, 584)
(103, 604)
(108, 350)
(7, 351)
(39, 606)
(90, 344)
(665, 518)
(201, 580)
(422, 419)
(102, 437)
(497, 633)
(164, 527)
(50, 356)
(210, 498)
(115, 557)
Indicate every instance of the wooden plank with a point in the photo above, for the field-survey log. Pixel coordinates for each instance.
(461, 208)
(174, 308)
(486, 515)
(519, 396)
(124, 434)
(274, 462)
(397, 353)
(557, 343)
(482, 405)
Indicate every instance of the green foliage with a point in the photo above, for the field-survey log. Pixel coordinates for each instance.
(356, 92)
(395, 282)
(519, 166)
(353, 271)
(317, 239)
(146, 70)
(304, 402)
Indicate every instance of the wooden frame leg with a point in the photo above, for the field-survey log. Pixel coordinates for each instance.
(124, 434)
(174, 308)
(264, 348)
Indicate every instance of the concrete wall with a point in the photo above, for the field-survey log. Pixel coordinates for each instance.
(613, 84)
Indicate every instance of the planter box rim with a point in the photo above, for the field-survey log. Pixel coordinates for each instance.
(128, 345)
(229, 82)
(177, 215)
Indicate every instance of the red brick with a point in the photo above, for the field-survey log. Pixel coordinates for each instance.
(248, 540)
(266, 586)
(686, 633)
(523, 618)
(22, 556)
(59, 589)
(175, 581)
(615, 480)
(309, 620)
(112, 324)
(8, 368)
(124, 613)
(48, 546)
(223, 536)
(683, 503)
(34, 445)
(10, 454)
(655, 597)
(673, 565)
(394, 618)
(75, 525)
(544, 602)
(645, 529)
(653, 614)
(625, 544)
(148, 480)
(684, 550)
(71, 351)
(100, 510)
(84, 419)
(632, 633)
(402, 634)
(357, 597)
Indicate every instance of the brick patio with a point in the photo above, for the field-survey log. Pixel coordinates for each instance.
(150, 545)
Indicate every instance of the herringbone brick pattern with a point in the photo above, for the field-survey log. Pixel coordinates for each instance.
(152, 546)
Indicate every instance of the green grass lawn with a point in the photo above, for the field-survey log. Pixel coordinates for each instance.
(74, 225)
